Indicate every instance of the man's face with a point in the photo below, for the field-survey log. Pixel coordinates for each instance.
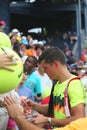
(49, 69)
(29, 62)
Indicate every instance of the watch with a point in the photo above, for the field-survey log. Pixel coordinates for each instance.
(49, 120)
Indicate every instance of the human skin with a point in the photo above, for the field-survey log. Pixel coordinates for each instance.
(23, 124)
(17, 115)
(6, 61)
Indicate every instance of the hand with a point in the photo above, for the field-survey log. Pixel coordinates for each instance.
(13, 107)
(29, 103)
(6, 61)
(27, 110)
(39, 119)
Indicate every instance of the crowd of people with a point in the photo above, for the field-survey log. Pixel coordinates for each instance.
(47, 71)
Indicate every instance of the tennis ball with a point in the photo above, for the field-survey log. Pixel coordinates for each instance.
(5, 40)
(11, 79)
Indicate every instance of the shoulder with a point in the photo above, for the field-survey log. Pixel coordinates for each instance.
(36, 76)
(75, 83)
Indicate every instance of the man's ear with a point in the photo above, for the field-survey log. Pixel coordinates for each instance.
(56, 63)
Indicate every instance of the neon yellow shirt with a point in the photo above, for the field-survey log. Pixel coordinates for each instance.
(80, 124)
(76, 95)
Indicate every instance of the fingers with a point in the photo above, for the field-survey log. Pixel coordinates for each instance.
(10, 56)
(8, 62)
(12, 60)
(9, 101)
(8, 68)
(29, 102)
(12, 107)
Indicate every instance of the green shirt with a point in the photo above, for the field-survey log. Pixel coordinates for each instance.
(76, 95)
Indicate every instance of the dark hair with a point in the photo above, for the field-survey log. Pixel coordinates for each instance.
(16, 48)
(51, 54)
(35, 61)
(39, 47)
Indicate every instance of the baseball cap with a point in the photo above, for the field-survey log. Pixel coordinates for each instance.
(24, 41)
(15, 30)
(2, 23)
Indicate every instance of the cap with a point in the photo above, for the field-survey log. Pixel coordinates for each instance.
(40, 42)
(24, 41)
(15, 30)
(35, 42)
(2, 23)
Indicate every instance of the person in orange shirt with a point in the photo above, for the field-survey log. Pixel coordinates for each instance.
(32, 50)
(83, 58)
(29, 52)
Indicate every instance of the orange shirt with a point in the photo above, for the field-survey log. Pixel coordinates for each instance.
(29, 52)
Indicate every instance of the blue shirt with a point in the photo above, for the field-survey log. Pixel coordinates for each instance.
(24, 91)
(33, 82)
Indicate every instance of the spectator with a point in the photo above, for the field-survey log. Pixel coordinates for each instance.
(23, 90)
(33, 81)
(46, 82)
(2, 26)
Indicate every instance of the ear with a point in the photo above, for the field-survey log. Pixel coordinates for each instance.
(56, 63)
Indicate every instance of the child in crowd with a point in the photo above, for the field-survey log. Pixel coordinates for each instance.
(24, 91)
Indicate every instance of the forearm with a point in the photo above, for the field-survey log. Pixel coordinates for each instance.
(43, 109)
(62, 122)
(23, 124)
(76, 113)
(56, 122)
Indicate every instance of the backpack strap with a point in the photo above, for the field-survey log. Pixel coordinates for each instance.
(50, 108)
(66, 98)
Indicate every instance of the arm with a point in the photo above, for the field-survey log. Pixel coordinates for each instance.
(43, 109)
(77, 109)
(76, 113)
(38, 97)
(25, 125)
(17, 115)
(6, 61)
(78, 124)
